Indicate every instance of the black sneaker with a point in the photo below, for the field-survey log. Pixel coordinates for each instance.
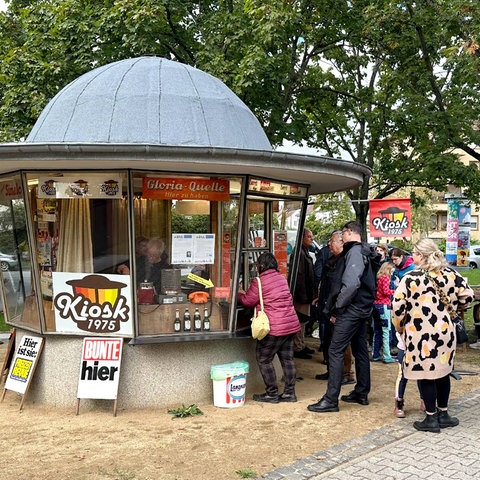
(310, 351)
(263, 397)
(287, 397)
(321, 376)
(302, 354)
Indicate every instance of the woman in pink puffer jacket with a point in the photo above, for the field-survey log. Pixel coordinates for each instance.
(284, 324)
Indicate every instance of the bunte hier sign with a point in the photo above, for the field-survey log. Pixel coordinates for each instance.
(100, 368)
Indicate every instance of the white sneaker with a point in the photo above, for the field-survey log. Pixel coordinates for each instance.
(475, 345)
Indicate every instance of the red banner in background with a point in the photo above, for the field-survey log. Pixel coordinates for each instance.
(390, 218)
(280, 251)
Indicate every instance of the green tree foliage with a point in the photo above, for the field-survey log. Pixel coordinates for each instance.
(331, 212)
(391, 85)
(190, 223)
(12, 233)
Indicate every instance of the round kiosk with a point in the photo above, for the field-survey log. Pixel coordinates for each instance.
(135, 209)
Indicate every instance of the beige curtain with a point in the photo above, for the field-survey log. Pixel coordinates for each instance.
(152, 218)
(75, 252)
(120, 232)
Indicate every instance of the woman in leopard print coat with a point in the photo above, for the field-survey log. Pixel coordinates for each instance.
(423, 320)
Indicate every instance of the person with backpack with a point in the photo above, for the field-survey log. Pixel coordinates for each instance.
(350, 305)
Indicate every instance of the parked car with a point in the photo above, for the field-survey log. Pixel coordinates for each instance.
(474, 257)
(8, 262)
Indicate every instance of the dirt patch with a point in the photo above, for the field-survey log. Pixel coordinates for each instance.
(149, 444)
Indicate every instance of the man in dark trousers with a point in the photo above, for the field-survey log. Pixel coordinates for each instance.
(304, 294)
(322, 255)
(350, 303)
(335, 245)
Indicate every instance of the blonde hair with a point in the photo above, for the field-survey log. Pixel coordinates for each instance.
(432, 258)
(386, 268)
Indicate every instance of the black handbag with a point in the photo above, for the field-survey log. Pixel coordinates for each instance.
(460, 331)
(457, 320)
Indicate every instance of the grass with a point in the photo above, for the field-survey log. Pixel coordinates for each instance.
(473, 278)
(472, 275)
(246, 473)
(3, 326)
(184, 411)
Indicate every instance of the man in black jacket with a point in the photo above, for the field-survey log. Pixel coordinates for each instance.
(304, 294)
(350, 304)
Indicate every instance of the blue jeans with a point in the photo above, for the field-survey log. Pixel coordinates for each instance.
(381, 332)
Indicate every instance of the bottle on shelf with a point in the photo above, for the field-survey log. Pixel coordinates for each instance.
(197, 320)
(206, 320)
(177, 325)
(187, 323)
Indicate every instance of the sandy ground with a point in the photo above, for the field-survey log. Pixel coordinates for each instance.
(44, 442)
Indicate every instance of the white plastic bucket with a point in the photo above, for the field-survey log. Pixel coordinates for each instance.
(229, 384)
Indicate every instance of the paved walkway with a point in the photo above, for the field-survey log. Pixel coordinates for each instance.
(399, 452)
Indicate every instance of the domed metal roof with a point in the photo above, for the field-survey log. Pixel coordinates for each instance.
(149, 100)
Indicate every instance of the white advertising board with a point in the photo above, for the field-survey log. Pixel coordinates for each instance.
(24, 363)
(100, 368)
(93, 303)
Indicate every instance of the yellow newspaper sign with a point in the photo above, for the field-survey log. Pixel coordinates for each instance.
(208, 283)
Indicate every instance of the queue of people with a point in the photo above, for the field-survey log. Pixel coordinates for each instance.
(359, 284)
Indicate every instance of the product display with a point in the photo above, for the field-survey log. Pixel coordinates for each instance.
(197, 320)
(206, 320)
(187, 323)
(177, 325)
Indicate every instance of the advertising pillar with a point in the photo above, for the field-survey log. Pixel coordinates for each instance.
(458, 230)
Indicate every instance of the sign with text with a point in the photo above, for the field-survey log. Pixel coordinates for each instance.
(89, 185)
(226, 258)
(280, 249)
(266, 186)
(11, 190)
(94, 303)
(190, 248)
(24, 363)
(186, 189)
(390, 218)
(100, 368)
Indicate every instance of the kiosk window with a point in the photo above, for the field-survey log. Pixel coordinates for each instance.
(80, 222)
(15, 262)
(184, 278)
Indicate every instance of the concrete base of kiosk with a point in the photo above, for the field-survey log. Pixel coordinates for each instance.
(153, 375)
